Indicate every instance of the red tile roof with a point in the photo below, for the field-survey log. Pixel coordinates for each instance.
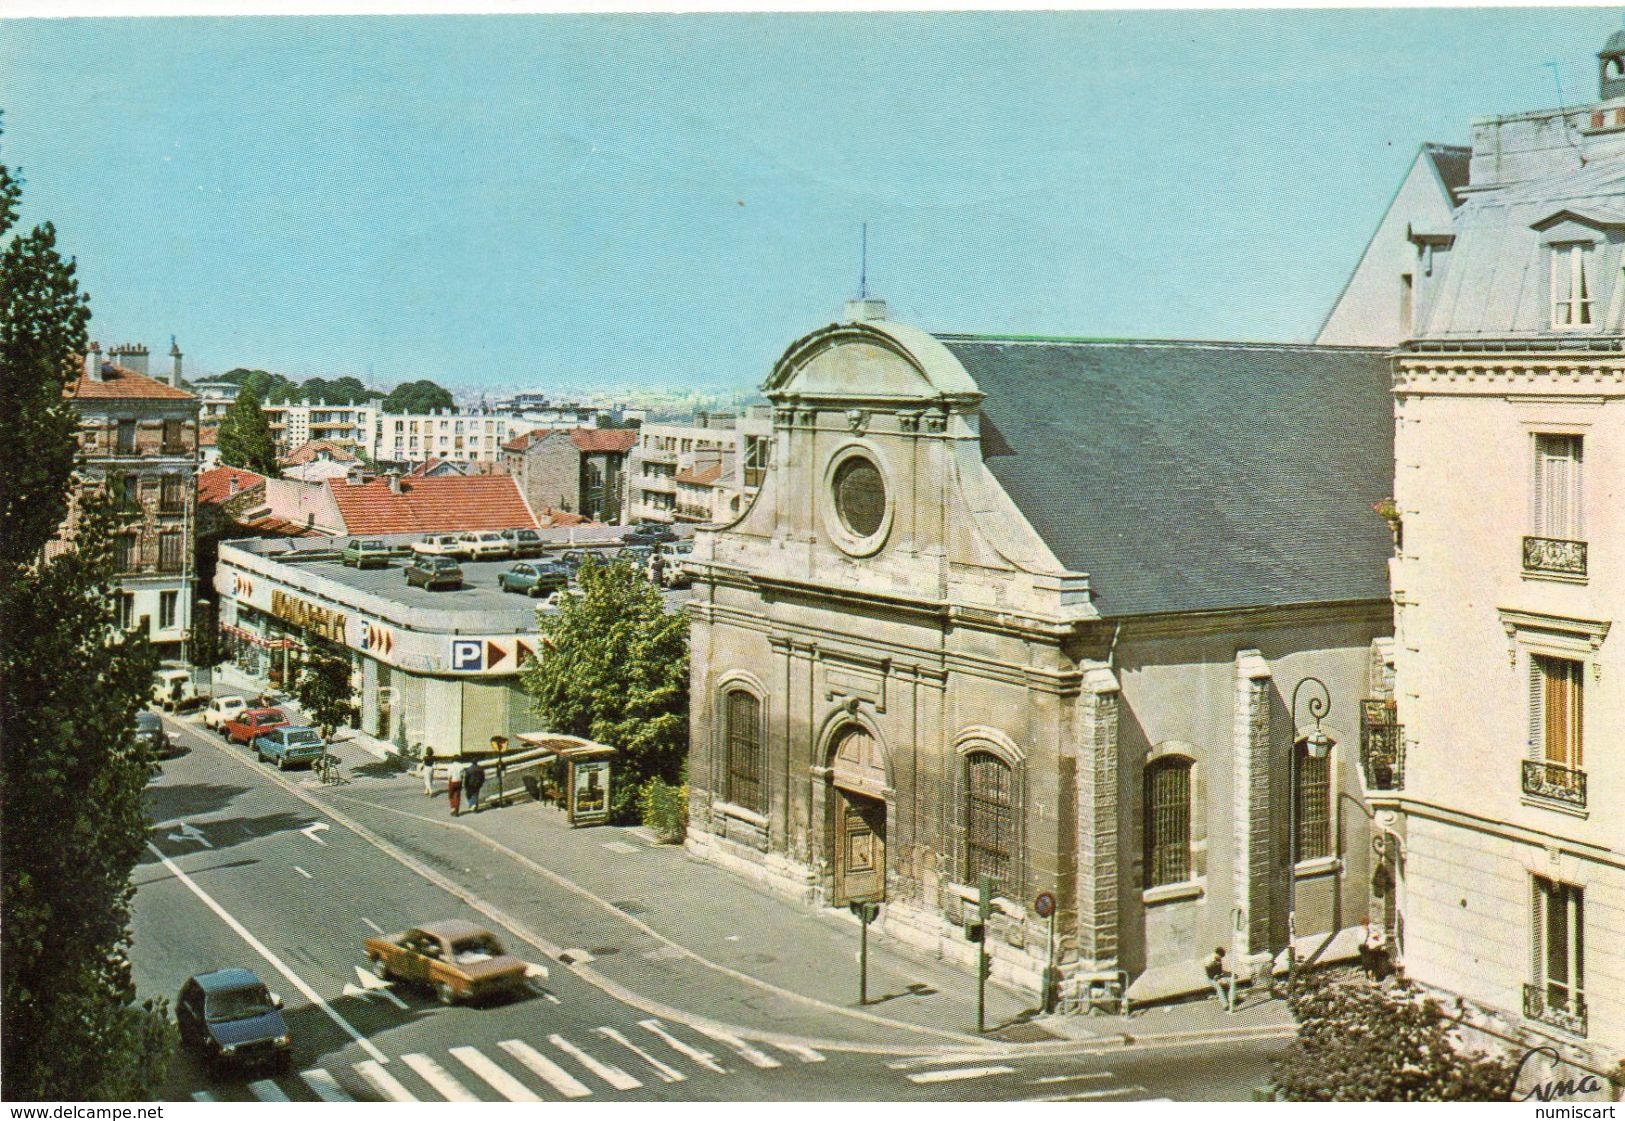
(119, 382)
(585, 439)
(272, 526)
(701, 478)
(214, 485)
(554, 519)
(311, 450)
(432, 505)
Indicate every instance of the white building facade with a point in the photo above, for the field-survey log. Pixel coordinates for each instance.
(294, 425)
(700, 472)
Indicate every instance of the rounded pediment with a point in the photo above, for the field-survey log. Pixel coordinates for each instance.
(874, 360)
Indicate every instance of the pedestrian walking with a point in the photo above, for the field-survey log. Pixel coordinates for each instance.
(473, 779)
(454, 788)
(428, 772)
(1223, 981)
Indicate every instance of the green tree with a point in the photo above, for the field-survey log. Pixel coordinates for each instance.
(418, 397)
(245, 436)
(614, 668)
(72, 774)
(1361, 1043)
(322, 687)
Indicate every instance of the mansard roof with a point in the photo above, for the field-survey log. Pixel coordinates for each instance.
(1191, 476)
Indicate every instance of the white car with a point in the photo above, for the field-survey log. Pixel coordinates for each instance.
(484, 545)
(222, 709)
(440, 545)
(172, 689)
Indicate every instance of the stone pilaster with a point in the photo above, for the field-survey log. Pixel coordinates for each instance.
(1097, 817)
(1251, 806)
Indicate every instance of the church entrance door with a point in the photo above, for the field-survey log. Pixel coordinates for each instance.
(858, 825)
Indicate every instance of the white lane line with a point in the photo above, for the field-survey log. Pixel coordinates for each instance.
(805, 1054)
(376, 929)
(384, 1082)
(325, 1085)
(1053, 1078)
(1091, 1095)
(494, 1076)
(545, 1069)
(957, 1074)
(750, 1054)
(202, 1096)
(267, 1091)
(704, 1058)
(260, 948)
(435, 1075)
(315, 828)
(303, 873)
(666, 1073)
(610, 1073)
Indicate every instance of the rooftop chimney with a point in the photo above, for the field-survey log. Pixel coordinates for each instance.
(231, 485)
(394, 482)
(862, 310)
(93, 362)
(131, 356)
(175, 353)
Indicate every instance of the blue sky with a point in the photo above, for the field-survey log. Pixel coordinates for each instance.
(625, 199)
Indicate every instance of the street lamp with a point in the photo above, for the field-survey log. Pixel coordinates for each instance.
(1319, 745)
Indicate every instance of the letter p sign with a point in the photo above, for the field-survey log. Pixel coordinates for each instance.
(465, 654)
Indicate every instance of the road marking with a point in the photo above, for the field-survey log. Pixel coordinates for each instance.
(1091, 1095)
(610, 1073)
(385, 1082)
(575, 957)
(186, 831)
(371, 984)
(315, 828)
(751, 1054)
(704, 1058)
(260, 948)
(435, 1075)
(545, 1069)
(666, 1073)
(621, 847)
(267, 1091)
(1054, 1078)
(805, 1054)
(303, 873)
(958, 1074)
(202, 1096)
(494, 1076)
(376, 929)
(325, 1085)
(534, 970)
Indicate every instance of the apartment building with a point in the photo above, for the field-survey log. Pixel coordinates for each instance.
(444, 434)
(699, 472)
(294, 425)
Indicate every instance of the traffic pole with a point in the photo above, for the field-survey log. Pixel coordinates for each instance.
(863, 960)
(984, 907)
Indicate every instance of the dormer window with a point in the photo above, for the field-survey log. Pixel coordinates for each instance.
(1573, 279)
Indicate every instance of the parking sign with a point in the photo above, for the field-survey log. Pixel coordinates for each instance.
(465, 654)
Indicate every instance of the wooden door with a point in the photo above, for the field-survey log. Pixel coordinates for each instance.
(860, 848)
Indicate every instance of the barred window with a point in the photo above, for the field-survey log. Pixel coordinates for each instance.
(990, 822)
(744, 730)
(1314, 795)
(1168, 821)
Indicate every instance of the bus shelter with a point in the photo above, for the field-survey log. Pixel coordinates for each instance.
(587, 772)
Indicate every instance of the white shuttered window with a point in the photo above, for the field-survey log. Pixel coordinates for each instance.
(1557, 487)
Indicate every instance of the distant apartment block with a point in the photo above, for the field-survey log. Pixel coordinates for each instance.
(443, 434)
(295, 425)
(701, 472)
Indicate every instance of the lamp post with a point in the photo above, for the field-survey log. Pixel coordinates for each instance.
(1319, 745)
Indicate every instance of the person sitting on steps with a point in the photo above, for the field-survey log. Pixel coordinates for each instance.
(1223, 981)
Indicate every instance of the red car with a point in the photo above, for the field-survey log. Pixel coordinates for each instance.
(251, 723)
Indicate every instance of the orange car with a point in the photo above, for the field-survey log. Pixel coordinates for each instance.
(458, 960)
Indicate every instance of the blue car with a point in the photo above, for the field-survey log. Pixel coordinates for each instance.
(290, 745)
(230, 1019)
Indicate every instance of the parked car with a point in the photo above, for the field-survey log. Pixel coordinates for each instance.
(149, 730)
(289, 745)
(251, 723)
(172, 689)
(369, 553)
(524, 543)
(458, 960)
(534, 578)
(637, 555)
(648, 533)
(484, 545)
(220, 710)
(674, 556)
(440, 545)
(573, 559)
(231, 1019)
(430, 573)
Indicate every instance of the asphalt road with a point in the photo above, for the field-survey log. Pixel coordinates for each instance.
(243, 873)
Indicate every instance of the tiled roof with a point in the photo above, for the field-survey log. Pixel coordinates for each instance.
(117, 382)
(311, 450)
(272, 526)
(520, 443)
(548, 517)
(214, 485)
(619, 440)
(447, 504)
(701, 478)
(1194, 476)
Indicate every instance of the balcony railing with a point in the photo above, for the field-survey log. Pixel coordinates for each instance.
(1382, 746)
(1554, 782)
(1564, 1013)
(1550, 556)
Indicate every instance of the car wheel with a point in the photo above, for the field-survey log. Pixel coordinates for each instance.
(380, 969)
(535, 591)
(281, 762)
(445, 993)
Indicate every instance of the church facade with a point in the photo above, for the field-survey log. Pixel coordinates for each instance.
(1068, 615)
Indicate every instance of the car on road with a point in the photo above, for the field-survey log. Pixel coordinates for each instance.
(230, 1019)
(440, 545)
(573, 559)
(523, 543)
(221, 709)
(637, 556)
(290, 745)
(673, 567)
(430, 573)
(172, 689)
(484, 545)
(368, 553)
(534, 578)
(648, 533)
(459, 960)
(149, 730)
(252, 723)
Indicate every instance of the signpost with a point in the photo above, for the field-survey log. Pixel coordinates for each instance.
(499, 744)
(866, 912)
(1044, 905)
(984, 907)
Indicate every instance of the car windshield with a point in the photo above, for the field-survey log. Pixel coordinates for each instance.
(238, 1004)
(490, 537)
(372, 544)
(306, 738)
(479, 947)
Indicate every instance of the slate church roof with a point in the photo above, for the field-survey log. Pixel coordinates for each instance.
(1186, 476)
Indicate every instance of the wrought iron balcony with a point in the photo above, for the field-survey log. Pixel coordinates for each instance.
(1382, 746)
(1554, 782)
(1564, 1013)
(1550, 556)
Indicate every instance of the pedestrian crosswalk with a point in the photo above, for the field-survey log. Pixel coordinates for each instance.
(604, 1060)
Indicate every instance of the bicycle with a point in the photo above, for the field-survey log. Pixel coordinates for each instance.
(327, 770)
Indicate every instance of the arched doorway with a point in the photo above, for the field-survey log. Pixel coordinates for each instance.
(858, 816)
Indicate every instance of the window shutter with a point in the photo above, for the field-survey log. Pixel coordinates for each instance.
(1537, 708)
(1537, 932)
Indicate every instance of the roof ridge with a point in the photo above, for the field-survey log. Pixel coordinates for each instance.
(1205, 344)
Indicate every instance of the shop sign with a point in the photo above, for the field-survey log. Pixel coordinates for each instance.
(312, 617)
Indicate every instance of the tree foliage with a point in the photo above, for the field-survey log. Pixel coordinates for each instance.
(276, 388)
(1359, 1042)
(421, 396)
(72, 774)
(614, 668)
(322, 688)
(245, 437)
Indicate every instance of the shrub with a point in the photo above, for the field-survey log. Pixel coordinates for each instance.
(664, 809)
